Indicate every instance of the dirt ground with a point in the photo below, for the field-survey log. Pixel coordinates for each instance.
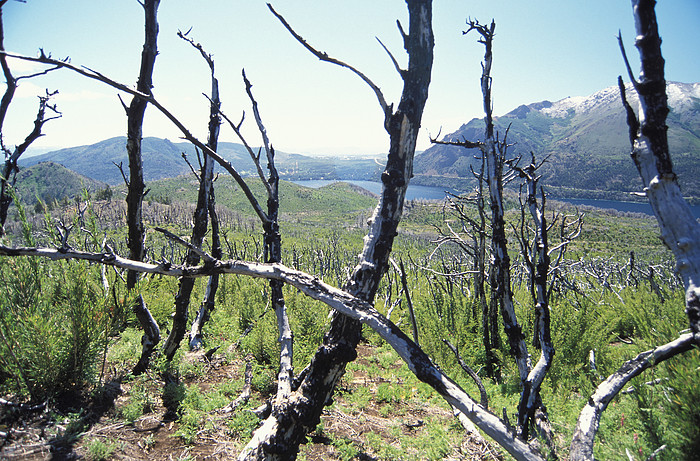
(46, 434)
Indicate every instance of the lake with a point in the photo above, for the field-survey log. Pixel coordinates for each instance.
(634, 207)
(438, 193)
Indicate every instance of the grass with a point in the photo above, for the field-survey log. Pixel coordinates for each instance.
(379, 385)
(97, 450)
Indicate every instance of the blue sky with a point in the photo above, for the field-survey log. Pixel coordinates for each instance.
(544, 49)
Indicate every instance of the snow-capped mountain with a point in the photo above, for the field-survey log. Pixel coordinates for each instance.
(586, 139)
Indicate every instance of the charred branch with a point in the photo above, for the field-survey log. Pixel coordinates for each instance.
(386, 108)
(484, 401)
(10, 169)
(651, 156)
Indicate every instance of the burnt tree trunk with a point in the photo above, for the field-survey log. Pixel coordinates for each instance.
(499, 276)
(538, 266)
(312, 390)
(679, 231)
(136, 186)
(489, 311)
(199, 221)
(207, 305)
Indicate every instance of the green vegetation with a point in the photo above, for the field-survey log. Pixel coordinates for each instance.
(50, 182)
(57, 322)
(99, 450)
(54, 323)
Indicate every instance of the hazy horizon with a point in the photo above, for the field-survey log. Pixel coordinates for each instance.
(543, 50)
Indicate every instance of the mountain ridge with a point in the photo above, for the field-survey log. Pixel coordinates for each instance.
(585, 141)
(163, 159)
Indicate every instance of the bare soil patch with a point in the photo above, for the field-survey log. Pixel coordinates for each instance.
(367, 431)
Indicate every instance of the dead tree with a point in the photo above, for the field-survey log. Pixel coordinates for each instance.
(199, 223)
(286, 428)
(494, 152)
(679, 231)
(136, 188)
(471, 237)
(537, 255)
(9, 168)
(272, 253)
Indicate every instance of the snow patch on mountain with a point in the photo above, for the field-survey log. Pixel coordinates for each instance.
(681, 96)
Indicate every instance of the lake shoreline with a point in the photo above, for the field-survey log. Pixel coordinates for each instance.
(418, 192)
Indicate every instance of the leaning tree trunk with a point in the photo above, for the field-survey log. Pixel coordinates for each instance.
(287, 427)
(136, 186)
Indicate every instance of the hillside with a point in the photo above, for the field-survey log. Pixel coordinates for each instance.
(51, 181)
(163, 159)
(586, 140)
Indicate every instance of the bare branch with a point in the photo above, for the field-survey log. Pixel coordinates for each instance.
(589, 419)
(386, 108)
(263, 132)
(256, 158)
(187, 161)
(393, 59)
(632, 121)
(201, 253)
(198, 46)
(624, 57)
(472, 374)
(121, 170)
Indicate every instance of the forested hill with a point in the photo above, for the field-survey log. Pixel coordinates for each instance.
(50, 181)
(586, 139)
(163, 159)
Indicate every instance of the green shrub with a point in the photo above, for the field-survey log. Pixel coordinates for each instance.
(53, 323)
(141, 401)
(99, 450)
(242, 424)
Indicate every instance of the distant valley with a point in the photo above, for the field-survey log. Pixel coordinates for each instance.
(164, 159)
(584, 139)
